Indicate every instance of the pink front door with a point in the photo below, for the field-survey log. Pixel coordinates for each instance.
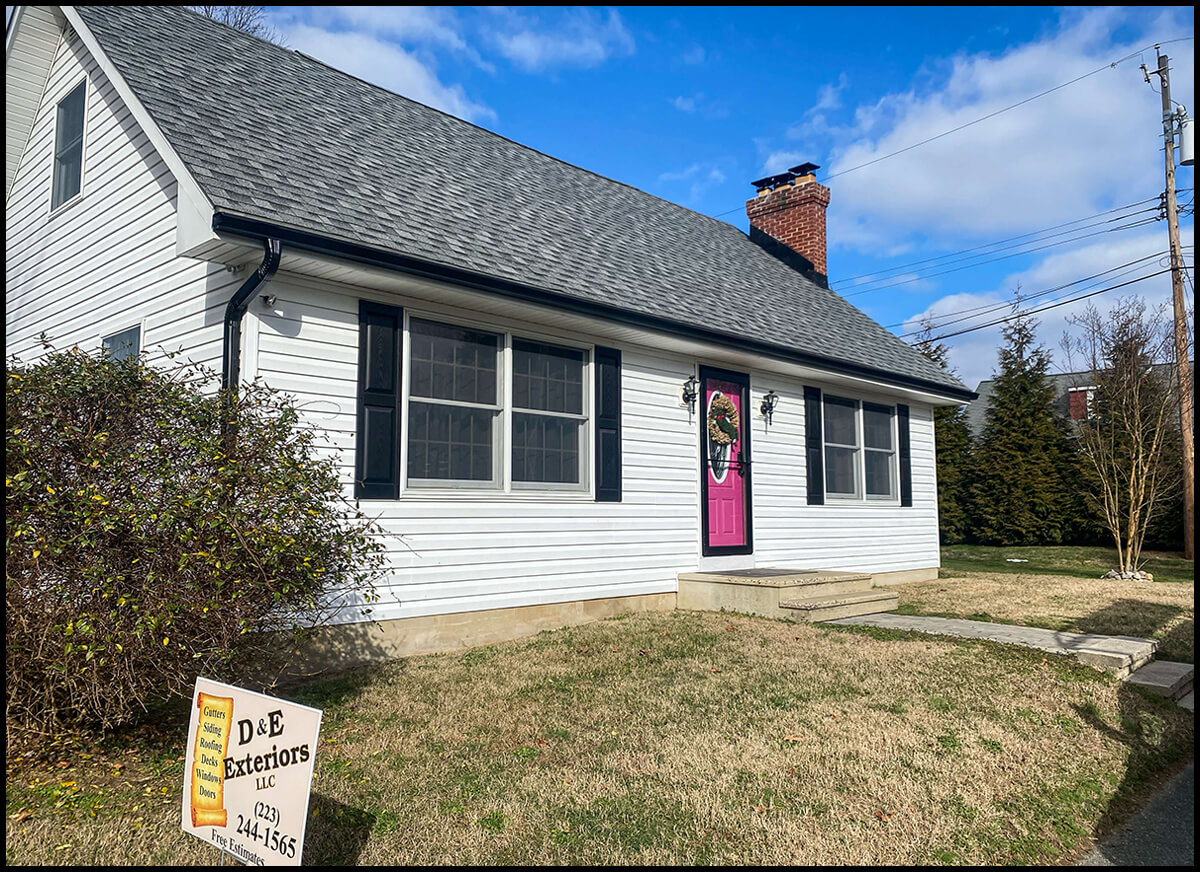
(726, 463)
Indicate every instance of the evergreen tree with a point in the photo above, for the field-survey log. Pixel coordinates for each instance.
(952, 439)
(1024, 470)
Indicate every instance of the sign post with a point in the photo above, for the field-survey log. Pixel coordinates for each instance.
(249, 769)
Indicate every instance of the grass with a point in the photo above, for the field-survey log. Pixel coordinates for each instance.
(667, 738)
(1060, 589)
(1071, 560)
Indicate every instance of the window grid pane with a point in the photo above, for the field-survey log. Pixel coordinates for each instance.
(877, 426)
(123, 345)
(841, 427)
(841, 471)
(449, 443)
(547, 378)
(545, 449)
(879, 473)
(453, 363)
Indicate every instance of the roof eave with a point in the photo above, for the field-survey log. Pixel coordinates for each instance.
(305, 240)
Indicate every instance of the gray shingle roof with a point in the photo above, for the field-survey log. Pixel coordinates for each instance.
(274, 135)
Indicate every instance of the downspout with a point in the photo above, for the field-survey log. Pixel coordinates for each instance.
(231, 362)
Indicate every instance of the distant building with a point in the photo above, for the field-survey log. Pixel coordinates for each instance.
(1073, 396)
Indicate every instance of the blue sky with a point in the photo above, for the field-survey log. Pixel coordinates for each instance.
(692, 104)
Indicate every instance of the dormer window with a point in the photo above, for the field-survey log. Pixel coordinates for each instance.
(68, 146)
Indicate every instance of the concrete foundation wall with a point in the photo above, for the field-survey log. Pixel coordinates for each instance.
(349, 645)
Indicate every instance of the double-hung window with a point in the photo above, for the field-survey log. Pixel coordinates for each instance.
(477, 398)
(68, 146)
(860, 450)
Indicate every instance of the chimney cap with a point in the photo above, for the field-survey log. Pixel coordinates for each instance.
(773, 181)
(804, 169)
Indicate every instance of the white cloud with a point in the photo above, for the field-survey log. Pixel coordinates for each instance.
(579, 38)
(694, 56)
(1084, 148)
(700, 177)
(435, 24)
(385, 64)
(699, 103)
(779, 161)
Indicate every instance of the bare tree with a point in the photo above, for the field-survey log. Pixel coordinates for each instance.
(249, 19)
(1130, 426)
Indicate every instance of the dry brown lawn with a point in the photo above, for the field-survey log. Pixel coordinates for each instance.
(1163, 611)
(669, 738)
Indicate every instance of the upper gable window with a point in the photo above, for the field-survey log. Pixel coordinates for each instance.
(68, 146)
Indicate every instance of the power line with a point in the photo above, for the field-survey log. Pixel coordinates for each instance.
(1046, 308)
(1011, 254)
(982, 311)
(1000, 241)
(986, 308)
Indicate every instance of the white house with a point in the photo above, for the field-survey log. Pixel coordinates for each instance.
(502, 347)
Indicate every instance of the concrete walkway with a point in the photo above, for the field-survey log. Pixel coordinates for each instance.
(1121, 654)
(1161, 834)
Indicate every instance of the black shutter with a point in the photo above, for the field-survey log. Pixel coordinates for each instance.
(377, 449)
(608, 425)
(813, 447)
(905, 455)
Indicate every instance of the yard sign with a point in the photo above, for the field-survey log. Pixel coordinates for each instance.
(249, 769)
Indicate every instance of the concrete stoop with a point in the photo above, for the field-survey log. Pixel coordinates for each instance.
(807, 595)
(1165, 678)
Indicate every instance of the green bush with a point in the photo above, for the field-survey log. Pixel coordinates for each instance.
(147, 543)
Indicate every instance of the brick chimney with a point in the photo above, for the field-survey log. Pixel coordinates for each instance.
(790, 209)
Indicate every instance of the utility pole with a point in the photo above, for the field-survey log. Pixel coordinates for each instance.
(1181, 331)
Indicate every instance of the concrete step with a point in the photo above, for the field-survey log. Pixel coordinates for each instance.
(847, 605)
(759, 591)
(1188, 701)
(1172, 680)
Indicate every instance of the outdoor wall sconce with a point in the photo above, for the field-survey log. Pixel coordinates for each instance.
(769, 402)
(691, 390)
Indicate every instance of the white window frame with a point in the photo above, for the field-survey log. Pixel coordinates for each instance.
(860, 495)
(83, 140)
(502, 479)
